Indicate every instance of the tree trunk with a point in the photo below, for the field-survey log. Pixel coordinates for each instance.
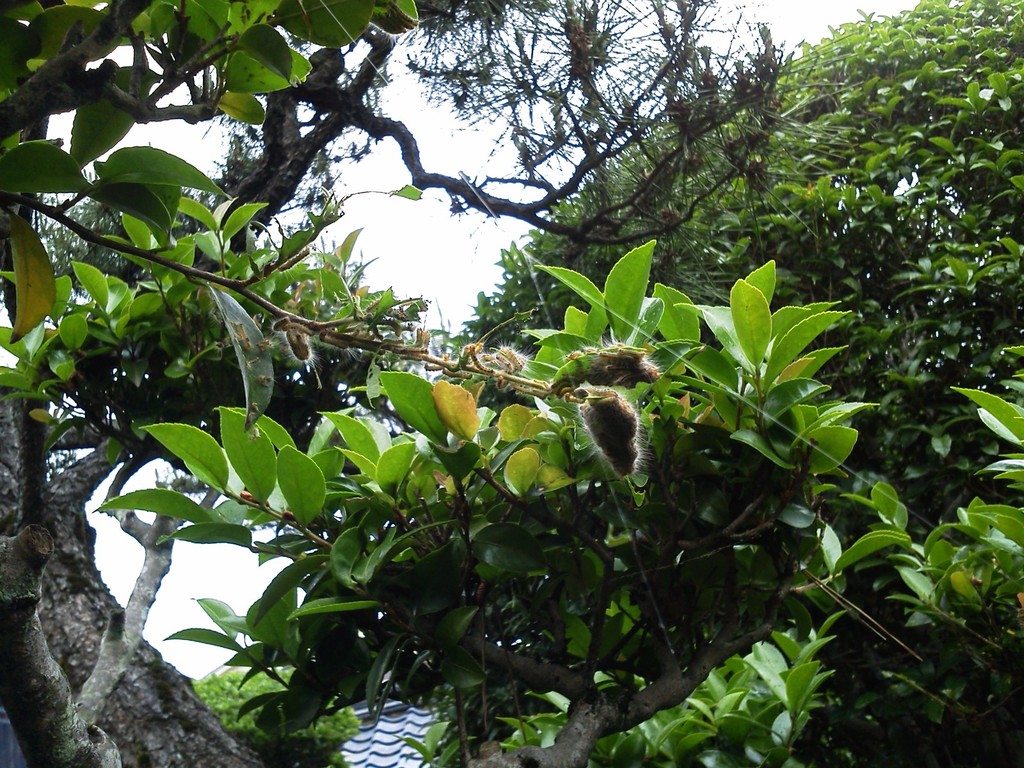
(152, 715)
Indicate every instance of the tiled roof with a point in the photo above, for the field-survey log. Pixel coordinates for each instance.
(10, 754)
(380, 745)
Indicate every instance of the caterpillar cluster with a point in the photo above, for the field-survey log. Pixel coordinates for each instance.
(615, 366)
(614, 426)
(609, 417)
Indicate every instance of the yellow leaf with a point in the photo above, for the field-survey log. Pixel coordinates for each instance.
(35, 288)
(242, 106)
(521, 469)
(457, 408)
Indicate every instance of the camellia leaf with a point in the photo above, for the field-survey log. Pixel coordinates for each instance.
(832, 446)
(39, 166)
(18, 44)
(207, 637)
(244, 107)
(513, 420)
(413, 400)
(99, 127)
(508, 547)
(393, 466)
(255, 359)
(763, 278)
(679, 320)
(163, 501)
(796, 339)
(409, 192)
(215, 533)
(624, 292)
(302, 484)
(269, 48)
(330, 23)
(461, 670)
(151, 166)
(453, 627)
(331, 605)
(456, 407)
(521, 470)
(870, 543)
(1005, 413)
(202, 455)
(580, 285)
(356, 435)
(752, 320)
(156, 205)
(34, 284)
(251, 455)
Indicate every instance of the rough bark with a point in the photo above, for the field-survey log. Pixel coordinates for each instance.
(152, 715)
(36, 691)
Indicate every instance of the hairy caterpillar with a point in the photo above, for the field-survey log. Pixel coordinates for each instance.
(614, 426)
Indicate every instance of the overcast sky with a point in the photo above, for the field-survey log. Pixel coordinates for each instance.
(392, 228)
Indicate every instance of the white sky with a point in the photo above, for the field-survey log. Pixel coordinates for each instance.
(421, 251)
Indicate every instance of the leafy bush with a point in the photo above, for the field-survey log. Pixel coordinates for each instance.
(316, 746)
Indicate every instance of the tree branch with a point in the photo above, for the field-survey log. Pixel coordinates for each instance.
(34, 689)
(63, 83)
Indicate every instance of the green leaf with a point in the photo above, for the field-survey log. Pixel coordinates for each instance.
(763, 278)
(35, 288)
(18, 44)
(266, 45)
(54, 25)
(679, 320)
(758, 443)
(40, 166)
(409, 192)
(251, 455)
(356, 435)
(254, 353)
(521, 470)
(302, 484)
(163, 501)
(782, 397)
(413, 400)
(94, 282)
(461, 670)
(456, 408)
(752, 321)
(453, 627)
(393, 466)
(153, 167)
(239, 217)
(832, 446)
(215, 533)
(888, 504)
(331, 23)
(1006, 414)
(331, 605)
(156, 205)
(512, 421)
(786, 349)
(73, 330)
(345, 551)
(508, 547)
(918, 582)
(579, 284)
(624, 292)
(870, 543)
(207, 637)
(99, 127)
(286, 582)
(243, 107)
(200, 452)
